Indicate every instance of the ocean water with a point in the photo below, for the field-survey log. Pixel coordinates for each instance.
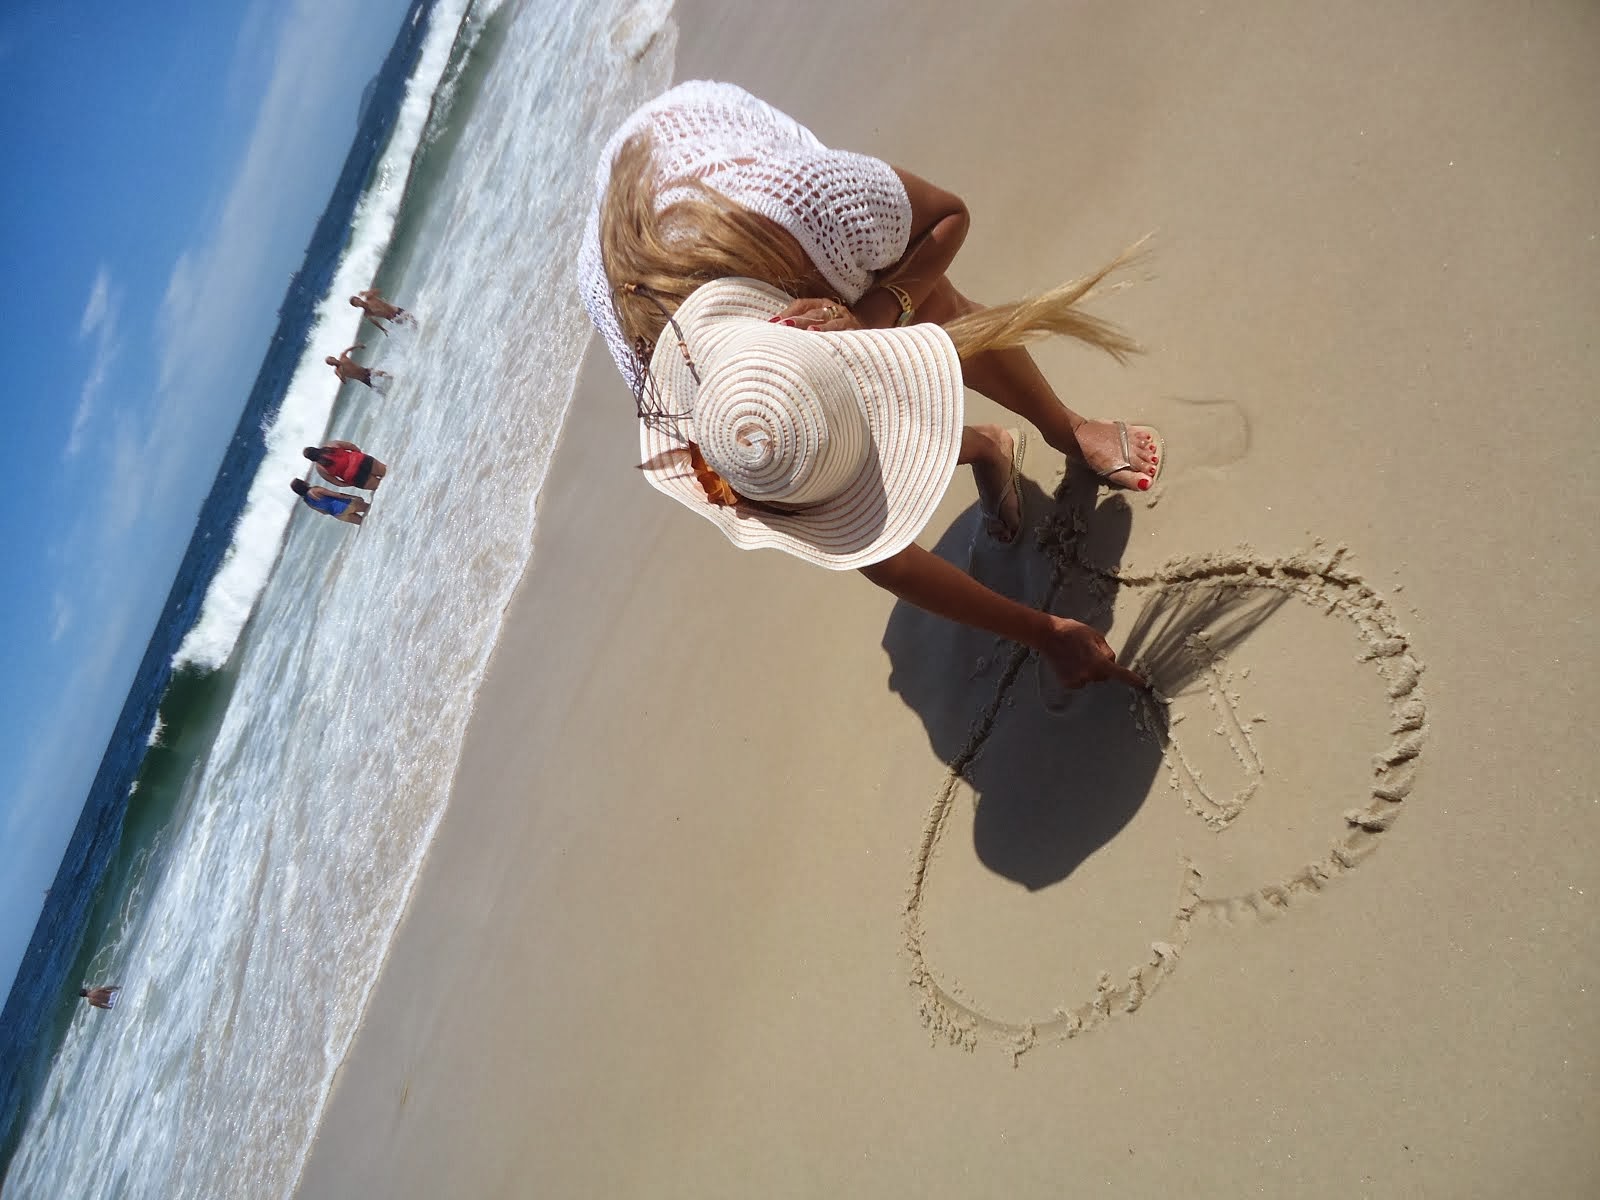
(294, 755)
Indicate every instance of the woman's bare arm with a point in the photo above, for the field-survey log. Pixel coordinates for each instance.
(939, 224)
(1075, 651)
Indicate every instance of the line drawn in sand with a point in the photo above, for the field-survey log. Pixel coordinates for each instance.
(1182, 652)
(1185, 777)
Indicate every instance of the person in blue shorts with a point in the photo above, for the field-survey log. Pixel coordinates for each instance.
(340, 506)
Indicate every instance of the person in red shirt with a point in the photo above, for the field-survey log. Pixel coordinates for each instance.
(347, 465)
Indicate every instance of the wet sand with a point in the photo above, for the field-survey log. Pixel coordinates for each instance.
(755, 883)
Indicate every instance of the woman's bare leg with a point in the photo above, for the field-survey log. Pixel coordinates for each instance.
(939, 223)
(1013, 380)
(987, 449)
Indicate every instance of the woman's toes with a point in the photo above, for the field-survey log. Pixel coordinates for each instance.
(1141, 454)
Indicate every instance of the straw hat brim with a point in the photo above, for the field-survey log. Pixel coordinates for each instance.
(908, 383)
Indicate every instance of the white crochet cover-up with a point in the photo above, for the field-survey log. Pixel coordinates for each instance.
(849, 212)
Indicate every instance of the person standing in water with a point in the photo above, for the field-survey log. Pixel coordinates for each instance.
(346, 368)
(352, 510)
(379, 310)
(101, 996)
(345, 464)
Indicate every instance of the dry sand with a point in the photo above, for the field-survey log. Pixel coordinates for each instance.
(711, 914)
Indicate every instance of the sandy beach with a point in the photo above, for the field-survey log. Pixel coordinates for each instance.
(755, 883)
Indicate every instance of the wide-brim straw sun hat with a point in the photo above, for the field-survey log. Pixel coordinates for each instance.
(840, 445)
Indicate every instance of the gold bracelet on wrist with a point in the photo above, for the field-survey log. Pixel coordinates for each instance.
(908, 312)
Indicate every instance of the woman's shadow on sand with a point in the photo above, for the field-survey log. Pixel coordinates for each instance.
(1055, 775)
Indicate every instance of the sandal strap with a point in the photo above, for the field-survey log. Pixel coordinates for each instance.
(1126, 464)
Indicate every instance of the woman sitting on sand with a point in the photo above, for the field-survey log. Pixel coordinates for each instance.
(836, 446)
(341, 507)
(808, 476)
(708, 181)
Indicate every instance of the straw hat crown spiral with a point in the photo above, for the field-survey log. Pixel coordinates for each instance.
(779, 418)
(843, 443)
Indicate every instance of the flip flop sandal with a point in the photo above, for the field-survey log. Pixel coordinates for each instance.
(1125, 463)
(991, 516)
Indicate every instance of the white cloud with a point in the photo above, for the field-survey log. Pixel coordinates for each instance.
(214, 286)
(139, 468)
(99, 302)
(250, 50)
(99, 325)
(213, 293)
(180, 294)
(220, 284)
(61, 617)
(213, 298)
(99, 367)
(145, 470)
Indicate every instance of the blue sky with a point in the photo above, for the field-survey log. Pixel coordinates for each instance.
(165, 163)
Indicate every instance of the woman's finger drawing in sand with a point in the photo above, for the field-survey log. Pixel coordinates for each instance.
(782, 312)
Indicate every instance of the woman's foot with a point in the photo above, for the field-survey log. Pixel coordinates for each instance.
(1125, 456)
(997, 468)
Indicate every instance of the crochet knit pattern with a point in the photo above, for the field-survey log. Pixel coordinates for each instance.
(849, 212)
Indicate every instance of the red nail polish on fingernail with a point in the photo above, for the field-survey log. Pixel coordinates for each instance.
(786, 321)
(772, 320)
(1144, 485)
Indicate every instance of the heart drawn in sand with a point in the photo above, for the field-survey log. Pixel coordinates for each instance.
(1184, 639)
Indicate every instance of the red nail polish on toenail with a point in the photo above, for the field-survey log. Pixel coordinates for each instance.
(1144, 485)
(786, 321)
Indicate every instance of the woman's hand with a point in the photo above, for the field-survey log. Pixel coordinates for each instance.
(812, 312)
(1078, 655)
(1074, 651)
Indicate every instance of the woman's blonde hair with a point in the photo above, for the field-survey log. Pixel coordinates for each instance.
(655, 259)
(695, 239)
(1007, 326)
